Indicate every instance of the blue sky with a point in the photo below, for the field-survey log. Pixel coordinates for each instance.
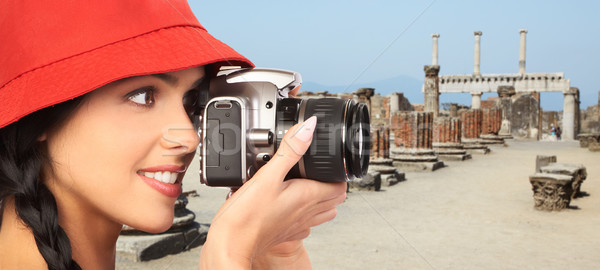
(353, 43)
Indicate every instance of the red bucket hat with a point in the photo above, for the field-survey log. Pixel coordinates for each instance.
(53, 51)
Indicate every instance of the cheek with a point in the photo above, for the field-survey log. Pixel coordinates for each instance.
(95, 162)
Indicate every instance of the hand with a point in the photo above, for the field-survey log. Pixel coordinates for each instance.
(288, 255)
(268, 217)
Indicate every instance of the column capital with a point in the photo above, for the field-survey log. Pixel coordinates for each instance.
(571, 91)
(523, 31)
(476, 93)
(366, 92)
(505, 91)
(432, 70)
(435, 35)
(477, 33)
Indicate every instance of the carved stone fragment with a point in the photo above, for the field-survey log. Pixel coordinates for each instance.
(551, 192)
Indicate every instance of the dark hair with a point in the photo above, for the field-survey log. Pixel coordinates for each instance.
(21, 159)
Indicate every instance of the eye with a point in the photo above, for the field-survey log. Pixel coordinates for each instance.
(190, 102)
(144, 96)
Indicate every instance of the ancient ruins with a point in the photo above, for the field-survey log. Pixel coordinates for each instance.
(419, 137)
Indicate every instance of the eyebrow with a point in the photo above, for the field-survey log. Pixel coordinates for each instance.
(169, 79)
(174, 81)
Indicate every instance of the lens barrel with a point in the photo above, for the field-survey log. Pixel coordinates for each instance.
(341, 143)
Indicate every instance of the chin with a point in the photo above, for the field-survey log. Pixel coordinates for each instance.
(156, 224)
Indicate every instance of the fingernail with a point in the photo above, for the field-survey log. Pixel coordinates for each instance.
(306, 130)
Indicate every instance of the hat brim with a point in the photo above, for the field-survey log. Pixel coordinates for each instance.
(163, 50)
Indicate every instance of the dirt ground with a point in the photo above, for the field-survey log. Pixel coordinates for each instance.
(474, 214)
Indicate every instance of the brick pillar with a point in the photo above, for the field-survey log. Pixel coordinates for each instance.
(447, 130)
(380, 142)
(491, 121)
(413, 129)
(471, 123)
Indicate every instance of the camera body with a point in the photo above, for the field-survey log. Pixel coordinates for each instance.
(249, 112)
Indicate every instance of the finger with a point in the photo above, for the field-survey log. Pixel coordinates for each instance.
(294, 91)
(322, 217)
(318, 191)
(231, 192)
(299, 235)
(294, 144)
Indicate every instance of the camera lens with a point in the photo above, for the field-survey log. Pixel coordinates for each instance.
(341, 144)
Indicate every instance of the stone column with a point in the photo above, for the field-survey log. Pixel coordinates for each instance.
(568, 130)
(431, 88)
(577, 114)
(505, 93)
(363, 95)
(394, 103)
(476, 100)
(523, 33)
(453, 110)
(434, 53)
(476, 65)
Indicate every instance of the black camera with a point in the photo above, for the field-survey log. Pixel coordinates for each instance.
(248, 113)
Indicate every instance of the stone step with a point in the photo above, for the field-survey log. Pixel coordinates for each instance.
(408, 158)
(437, 145)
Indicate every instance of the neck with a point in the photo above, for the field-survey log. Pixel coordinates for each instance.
(93, 236)
(17, 245)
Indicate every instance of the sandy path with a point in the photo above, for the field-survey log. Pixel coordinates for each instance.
(476, 214)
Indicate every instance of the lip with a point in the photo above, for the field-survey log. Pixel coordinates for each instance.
(170, 190)
(162, 168)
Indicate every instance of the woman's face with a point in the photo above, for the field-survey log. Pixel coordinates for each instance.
(122, 154)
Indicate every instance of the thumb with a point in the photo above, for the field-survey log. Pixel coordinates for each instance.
(293, 146)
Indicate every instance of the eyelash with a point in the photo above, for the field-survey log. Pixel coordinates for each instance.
(148, 100)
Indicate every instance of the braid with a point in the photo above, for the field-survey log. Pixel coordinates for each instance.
(21, 159)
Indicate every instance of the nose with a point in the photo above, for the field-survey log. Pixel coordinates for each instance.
(179, 136)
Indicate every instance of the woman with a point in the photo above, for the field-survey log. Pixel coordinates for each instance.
(95, 133)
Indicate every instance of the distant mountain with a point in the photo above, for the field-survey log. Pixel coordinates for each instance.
(410, 86)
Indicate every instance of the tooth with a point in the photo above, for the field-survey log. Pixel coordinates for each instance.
(166, 177)
(158, 176)
(149, 174)
(173, 178)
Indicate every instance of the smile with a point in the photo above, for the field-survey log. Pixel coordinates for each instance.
(163, 179)
(165, 176)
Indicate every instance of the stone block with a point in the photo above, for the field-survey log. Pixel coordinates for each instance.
(551, 192)
(389, 174)
(453, 155)
(543, 160)
(477, 149)
(418, 166)
(576, 171)
(411, 159)
(438, 145)
(586, 139)
(371, 181)
(594, 147)
(147, 247)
